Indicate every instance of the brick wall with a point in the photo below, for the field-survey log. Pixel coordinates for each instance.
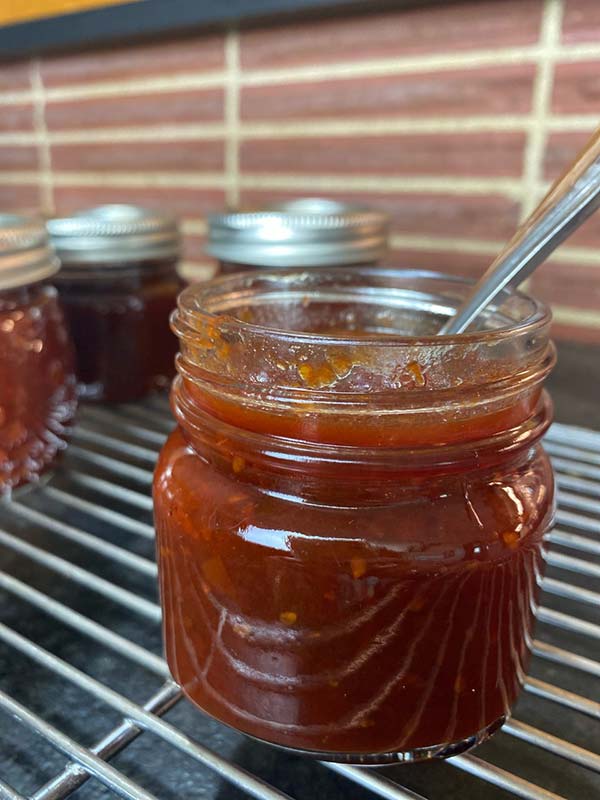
(452, 117)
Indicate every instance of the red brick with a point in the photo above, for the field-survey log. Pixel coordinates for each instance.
(581, 21)
(193, 248)
(561, 149)
(443, 215)
(493, 154)
(196, 54)
(19, 198)
(473, 92)
(140, 109)
(18, 158)
(185, 203)
(17, 117)
(575, 333)
(441, 28)
(588, 235)
(183, 156)
(469, 265)
(577, 88)
(568, 284)
(14, 76)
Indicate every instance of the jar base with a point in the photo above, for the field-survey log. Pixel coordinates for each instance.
(439, 751)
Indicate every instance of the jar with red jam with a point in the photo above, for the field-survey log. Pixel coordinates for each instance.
(37, 380)
(308, 232)
(118, 284)
(351, 511)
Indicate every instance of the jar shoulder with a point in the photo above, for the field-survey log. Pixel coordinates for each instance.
(467, 516)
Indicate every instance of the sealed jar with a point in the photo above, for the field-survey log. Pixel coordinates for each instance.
(308, 232)
(118, 283)
(37, 380)
(350, 513)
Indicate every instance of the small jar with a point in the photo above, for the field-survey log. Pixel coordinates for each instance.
(37, 380)
(118, 284)
(310, 232)
(350, 513)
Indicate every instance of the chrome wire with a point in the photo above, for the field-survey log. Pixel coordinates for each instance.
(111, 461)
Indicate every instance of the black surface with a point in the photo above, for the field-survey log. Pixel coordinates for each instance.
(26, 762)
(575, 385)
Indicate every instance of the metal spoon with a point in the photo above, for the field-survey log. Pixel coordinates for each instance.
(570, 201)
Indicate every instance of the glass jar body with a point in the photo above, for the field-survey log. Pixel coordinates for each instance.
(400, 625)
(350, 519)
(119, 319)
(37, 383)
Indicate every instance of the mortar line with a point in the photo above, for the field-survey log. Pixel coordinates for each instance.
(280, 76)
(46, 186)
(232, 106)
(533, 162)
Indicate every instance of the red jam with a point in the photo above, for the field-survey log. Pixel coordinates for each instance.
(120, 327)
(118, 283)
(342, 576)
(37, 383)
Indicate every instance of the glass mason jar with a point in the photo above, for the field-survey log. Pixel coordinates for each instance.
(118, 284)
(308, 232)
(350, 513)
(37, 381)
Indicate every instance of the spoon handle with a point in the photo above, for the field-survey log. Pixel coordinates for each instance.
(570, 201)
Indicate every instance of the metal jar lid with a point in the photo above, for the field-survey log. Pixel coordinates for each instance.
(113, 236)
(308, 232)
(26, 255)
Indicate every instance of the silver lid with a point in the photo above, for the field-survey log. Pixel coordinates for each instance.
(25, 252)
(114, 235)
(301, 233)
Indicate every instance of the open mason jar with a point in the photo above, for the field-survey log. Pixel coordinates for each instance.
(351, 511)
(118, 284)
(37, 378)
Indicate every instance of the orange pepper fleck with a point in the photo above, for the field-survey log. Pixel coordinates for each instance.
(358, 567)
(238, 464)
(316, 377)
(510, 538)
(416, 373)
(416, 604)
(288, 618)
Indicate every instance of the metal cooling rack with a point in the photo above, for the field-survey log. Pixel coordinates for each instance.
(81, 675)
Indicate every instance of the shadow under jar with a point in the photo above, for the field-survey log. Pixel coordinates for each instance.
(118, 284)
(37, 380)
(350, 513)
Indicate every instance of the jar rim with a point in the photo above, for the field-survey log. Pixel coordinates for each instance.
(198, 305)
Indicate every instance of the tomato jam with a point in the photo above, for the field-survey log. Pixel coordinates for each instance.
(308, 232)
(350, 513)
(37, 381)
(118, 284)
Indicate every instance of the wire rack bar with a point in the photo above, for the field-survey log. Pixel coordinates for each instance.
(144, 719)
(502, 778)
(8, 793)
(112, 490)
(85, 625)
(121, 521)
(83, 576)
(75, 775)
(576, 456)
(378, 784)
(87, 540)
(94, 765)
